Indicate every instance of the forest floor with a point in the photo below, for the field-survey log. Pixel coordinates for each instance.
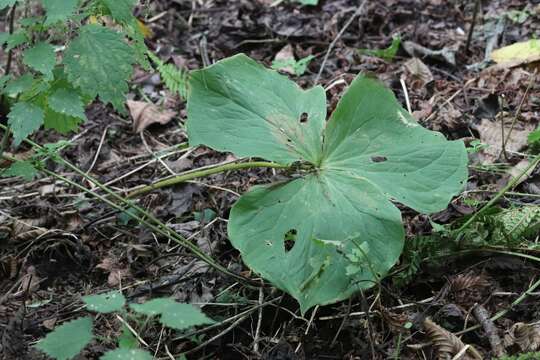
(58, 244)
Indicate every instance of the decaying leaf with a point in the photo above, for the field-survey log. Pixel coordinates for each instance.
(419, 71)
(145, 114)
(491, 134)
(448, 344)
(526, 336)
(518, 54)
(285, 55)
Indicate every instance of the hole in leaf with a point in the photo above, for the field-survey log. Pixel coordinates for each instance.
(378, 158)
(304, 117)
(289, 239)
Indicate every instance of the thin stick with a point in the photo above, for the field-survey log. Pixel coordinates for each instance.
(259, 322)
(406, 93)
(336, 39)
(98, 151)
(517, 113)
(471, 29)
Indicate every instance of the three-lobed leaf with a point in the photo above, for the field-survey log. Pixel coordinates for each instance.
(68, 339)
(173, 314)
(99, 63)
(371, 152)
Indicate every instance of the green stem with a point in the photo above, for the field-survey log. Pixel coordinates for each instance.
(190, 175)
(500, 194)
(155, 223)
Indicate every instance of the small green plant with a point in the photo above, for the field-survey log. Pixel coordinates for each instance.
(334, 229)
(298, 66)
(387, 54)
(534, 140)
(525, 356)
(70, 338)
(71, 58)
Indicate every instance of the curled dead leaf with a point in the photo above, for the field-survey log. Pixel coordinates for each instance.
(448, 344)
(419, 71)
(145, 114)
(526, 336)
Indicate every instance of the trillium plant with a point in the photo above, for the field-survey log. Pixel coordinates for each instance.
(334, 229)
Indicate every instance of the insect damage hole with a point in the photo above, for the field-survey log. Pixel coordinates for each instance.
(289, 239)
(378, 159)
(304, 118)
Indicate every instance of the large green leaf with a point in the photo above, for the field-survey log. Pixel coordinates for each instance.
(127, 354)
(99, 62)
(334, 230)
(105, 303)
(68, 339)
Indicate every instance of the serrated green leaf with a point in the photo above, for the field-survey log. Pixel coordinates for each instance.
(105, 303)
(60, 122)
(67, 102)
(370, 153)
(173, 314)
(127, 354)
(5, 3)
(99, 63)
(68, 339)
(19, 85)
(23, 119)
(24, 169)
(41, 57)
(59, 10)
(121, 10)
(16, 39)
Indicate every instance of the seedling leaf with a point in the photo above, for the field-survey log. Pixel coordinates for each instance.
(6, 3)
(121, 10)
(370, 153)
(127, 354)
(105, 303)
(68, 339)
(99, 62)
(24, 119)
(25, 169)
(387, 54)
(67, 102)
(173, 314)
(59, 10)
(41, 57)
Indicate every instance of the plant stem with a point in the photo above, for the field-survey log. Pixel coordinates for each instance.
(144, 217)
(190, 175)
(500, 194)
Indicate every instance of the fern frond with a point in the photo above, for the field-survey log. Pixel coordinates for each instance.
(175, 79)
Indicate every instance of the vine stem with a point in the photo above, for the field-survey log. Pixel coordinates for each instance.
(144, 217)
(501, 193)
(190, 175)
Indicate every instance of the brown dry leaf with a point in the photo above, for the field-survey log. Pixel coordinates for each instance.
(448, 344)
(526, 336)
(49, 323)
(419, 71)
(286, 54)
(491, 134)
(145, 114)
(116, 273)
